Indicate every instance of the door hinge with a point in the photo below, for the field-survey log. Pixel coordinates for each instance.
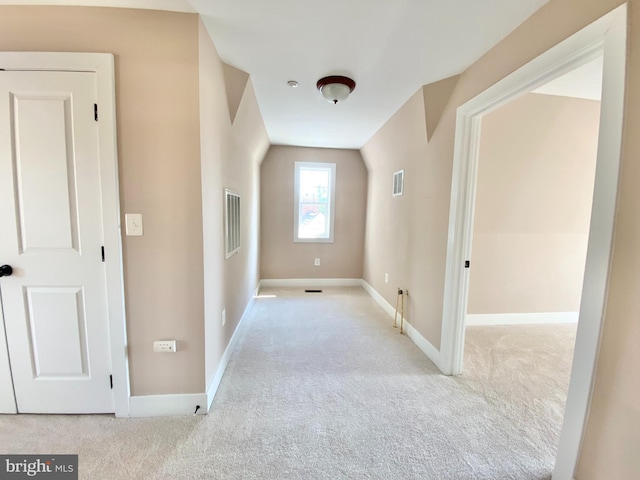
(95, 112)
(102, 251)
(467, 263)
(111, 381)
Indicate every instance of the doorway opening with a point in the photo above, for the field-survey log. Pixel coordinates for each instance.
(536, 170)
(606, 37)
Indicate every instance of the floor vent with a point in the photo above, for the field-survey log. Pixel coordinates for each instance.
(309, 290)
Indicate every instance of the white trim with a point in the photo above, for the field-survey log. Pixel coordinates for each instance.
(311, 282)
(599, 250)
(53, 61)
(422, 343)
(577, 50)
(167, 405)
(8, 403)
(103, 65)
(386, 306)
(226, 356)
(543, 318)
(296, 199)
(566, 56)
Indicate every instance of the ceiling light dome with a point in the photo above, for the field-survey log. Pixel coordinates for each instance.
(336, 88)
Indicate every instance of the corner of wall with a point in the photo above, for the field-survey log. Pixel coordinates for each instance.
(436, 96)
(236, 83)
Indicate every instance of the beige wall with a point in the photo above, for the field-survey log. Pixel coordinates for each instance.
(281, 257)
(231, 156)
(156, 57)
(405, 233)
(613, 432)
(533, 205)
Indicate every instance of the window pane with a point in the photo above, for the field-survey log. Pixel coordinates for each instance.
(314, 197)
(314, 212)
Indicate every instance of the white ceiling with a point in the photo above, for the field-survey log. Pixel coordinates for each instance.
(389, 47)
(583, 82)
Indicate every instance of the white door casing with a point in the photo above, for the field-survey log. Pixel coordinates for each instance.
(606, 36)
(7, 398)
(71, 336)
(600, 250)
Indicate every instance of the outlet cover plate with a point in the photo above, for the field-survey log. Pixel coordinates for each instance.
(164, 346)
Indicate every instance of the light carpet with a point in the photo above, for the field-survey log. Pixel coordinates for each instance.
(321, 386)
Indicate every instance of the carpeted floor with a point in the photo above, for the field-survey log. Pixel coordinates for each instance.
(321, 386)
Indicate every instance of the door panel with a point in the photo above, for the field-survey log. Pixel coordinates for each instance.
(55, 309)
(57, 327)
(45, 168)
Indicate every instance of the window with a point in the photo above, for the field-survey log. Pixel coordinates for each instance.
(314, 198)
(231, 222)
(398, 183)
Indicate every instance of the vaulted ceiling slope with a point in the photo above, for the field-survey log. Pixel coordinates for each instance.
(389, 47)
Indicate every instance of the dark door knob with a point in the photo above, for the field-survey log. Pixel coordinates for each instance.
(5, 270)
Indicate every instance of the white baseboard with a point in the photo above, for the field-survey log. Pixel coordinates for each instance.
(224, 361)
(311, 282)
(422, 343)
(521, 318)
(386, 306)
(167, 405)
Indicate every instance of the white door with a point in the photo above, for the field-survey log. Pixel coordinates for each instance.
(54, 303)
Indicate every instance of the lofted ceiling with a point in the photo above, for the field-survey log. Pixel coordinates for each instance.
(389, 47)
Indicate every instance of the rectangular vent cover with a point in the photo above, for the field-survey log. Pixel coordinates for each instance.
(398, 183)
(231, 222)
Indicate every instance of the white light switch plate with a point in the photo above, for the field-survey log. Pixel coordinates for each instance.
(133, 224)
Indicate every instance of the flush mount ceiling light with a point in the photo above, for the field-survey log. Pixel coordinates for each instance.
(336, 88)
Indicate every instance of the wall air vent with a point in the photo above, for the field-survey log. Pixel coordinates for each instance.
(398, 183)
(231, 222)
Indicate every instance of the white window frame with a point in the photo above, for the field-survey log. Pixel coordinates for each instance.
(232, 222)
(296, 199)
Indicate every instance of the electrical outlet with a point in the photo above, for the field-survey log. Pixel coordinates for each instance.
(164, 346)
(386, 278)
(224, 316)
(317, 262)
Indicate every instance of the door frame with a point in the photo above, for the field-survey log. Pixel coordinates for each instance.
(103, 65)
(580, 48)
